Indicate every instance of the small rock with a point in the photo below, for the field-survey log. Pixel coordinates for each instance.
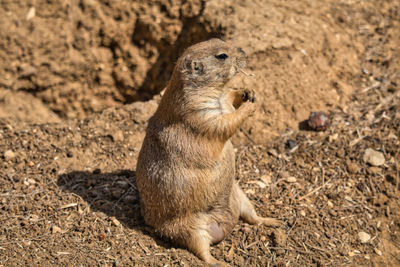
(364, 237)
(333, 213)
(291, 144)
(115, 221)
(319, 121)
(348, 198)
(330, 204)
(26, 243)
(31, 164)
(377, 251)
(9, 155)
(31, 13)
(291, 179)
(55, 229)
(263, 238)
(117, 193)
(266, 179)
(31, 181)
(259, 183)
(123, 184)
(373, 157)
(250, 191)
(130, 198)
(284, 174)
(302, 213)
(333, 137)
(273, 152)
(352, 167)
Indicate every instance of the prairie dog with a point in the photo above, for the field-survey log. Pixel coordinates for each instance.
(186, 167)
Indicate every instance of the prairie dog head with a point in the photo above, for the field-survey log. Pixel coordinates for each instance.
(209, 64)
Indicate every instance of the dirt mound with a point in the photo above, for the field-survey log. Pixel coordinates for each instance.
(24, 107)
(80, 57)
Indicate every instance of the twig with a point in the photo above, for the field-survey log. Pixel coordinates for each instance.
(294, 249)
(313, 191)
(250, 245)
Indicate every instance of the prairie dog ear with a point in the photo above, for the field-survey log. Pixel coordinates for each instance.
(194, 66)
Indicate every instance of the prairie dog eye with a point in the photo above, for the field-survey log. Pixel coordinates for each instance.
(221, 56)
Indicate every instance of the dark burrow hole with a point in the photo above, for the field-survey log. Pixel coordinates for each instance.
(157, 77)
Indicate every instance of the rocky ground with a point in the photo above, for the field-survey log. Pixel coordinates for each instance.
(79, 80)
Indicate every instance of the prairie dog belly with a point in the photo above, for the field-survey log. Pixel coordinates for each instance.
(170, 186)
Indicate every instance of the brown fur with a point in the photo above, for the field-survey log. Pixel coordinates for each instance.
(186, 167)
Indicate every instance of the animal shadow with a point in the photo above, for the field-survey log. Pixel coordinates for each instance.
(303, 126)
(114, 194)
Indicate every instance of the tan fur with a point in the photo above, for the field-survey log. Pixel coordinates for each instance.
(186, 167)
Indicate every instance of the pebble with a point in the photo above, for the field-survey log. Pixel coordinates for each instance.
(31, 13)
(116, 193)
(291, 179)
(377, 251)
(364, 237)
(31, 164)
(348, 198)
(333, 137)
(284, 174)
(319, 121)
(266, 179)
(115, 221)
(55, 229)
(273, 152)
(31, 181)
(352, 167)
(130, 198)
(250, 191)
(259, 183)
(9, 155)
(291, 144)
(373, 157)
